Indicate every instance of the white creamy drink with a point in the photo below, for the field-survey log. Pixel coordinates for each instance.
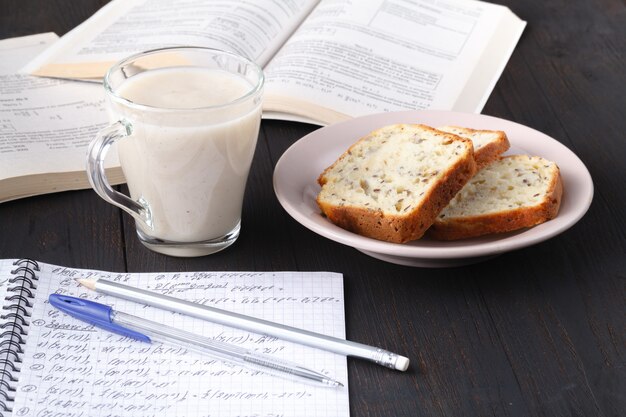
(189, 167)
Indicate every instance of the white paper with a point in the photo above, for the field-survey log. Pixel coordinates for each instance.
(74, 369)
(359, 58)
(251, 28)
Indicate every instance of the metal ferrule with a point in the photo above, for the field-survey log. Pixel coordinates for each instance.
(385, 358)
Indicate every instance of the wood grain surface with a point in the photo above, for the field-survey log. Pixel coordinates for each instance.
(535, 332)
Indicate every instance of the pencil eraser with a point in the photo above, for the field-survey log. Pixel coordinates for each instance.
(402, 363)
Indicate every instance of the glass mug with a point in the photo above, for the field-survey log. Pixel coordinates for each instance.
(185, 123)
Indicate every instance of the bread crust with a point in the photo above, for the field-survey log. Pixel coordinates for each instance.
(491, 152)
(503, 221)
(487, 153)
(379, 225)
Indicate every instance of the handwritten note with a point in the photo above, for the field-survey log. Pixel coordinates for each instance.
(73, 369)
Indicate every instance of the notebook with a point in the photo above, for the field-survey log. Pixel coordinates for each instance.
(54, 365)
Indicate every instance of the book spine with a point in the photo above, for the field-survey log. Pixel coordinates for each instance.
(14, 319)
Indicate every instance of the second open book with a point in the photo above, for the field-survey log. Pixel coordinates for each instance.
(324, 60)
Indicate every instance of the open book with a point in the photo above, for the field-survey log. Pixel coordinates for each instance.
(45, 125)
(324, 60)
(57, 365)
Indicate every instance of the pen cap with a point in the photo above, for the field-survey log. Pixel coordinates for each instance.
(94, 313)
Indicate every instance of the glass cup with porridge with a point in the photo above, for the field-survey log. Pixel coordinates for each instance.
(185, 123)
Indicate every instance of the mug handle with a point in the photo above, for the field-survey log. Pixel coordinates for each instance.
(96, 174)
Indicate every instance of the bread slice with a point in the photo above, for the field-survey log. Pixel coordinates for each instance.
(514, 192)
(392, 183)
(488, 144)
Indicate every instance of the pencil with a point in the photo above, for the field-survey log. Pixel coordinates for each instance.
(252, 324)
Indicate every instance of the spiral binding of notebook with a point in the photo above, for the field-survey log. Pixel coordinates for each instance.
(14, 328)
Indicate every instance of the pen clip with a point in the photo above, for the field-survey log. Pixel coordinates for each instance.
(94, 313)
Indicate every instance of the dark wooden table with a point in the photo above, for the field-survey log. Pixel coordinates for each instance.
(536, 332)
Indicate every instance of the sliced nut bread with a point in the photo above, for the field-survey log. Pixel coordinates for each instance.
(392, 183)
(514, 192)
(488, 144)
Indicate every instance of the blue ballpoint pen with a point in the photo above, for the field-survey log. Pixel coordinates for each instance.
(138, 328)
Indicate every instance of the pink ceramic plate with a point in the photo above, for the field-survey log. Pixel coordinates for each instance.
(295, 184)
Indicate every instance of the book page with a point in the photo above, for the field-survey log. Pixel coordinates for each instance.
(71, 368)
(355, 58)
(45, 125)
(252, 28)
